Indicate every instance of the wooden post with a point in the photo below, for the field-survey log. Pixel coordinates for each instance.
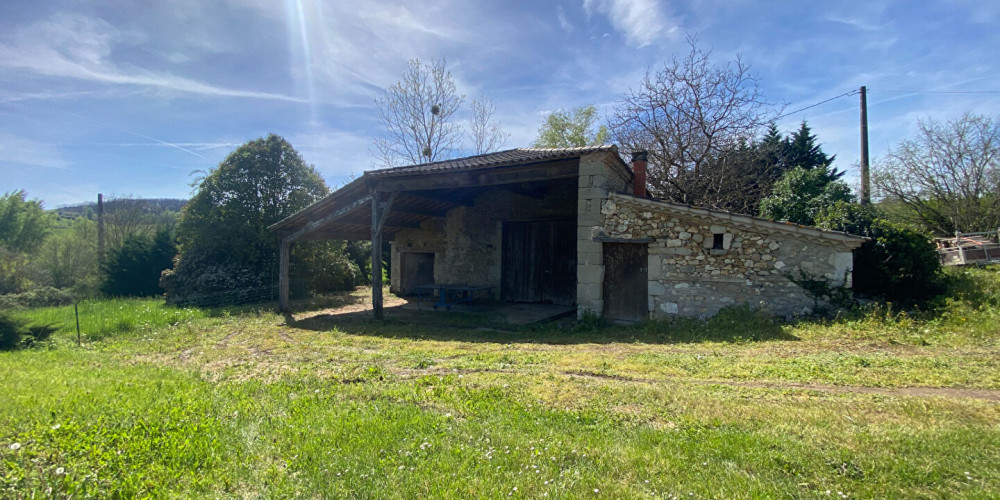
(961, 251)
(283, 275)
(380, 211)
(76, 312)
(100, 233)
(866, 193)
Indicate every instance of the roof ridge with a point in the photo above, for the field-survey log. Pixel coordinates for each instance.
(430, 163)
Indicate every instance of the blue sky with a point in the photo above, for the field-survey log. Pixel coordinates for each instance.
(130, 98)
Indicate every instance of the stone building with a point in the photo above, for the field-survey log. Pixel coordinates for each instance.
(571, 226)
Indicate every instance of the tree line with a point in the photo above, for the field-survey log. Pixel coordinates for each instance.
(712, 142)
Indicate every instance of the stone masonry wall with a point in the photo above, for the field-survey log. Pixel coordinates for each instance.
(598, 178)
(693, 272)
(467, 242)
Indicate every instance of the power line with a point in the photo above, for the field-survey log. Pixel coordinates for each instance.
(939, 91)
(845, 94)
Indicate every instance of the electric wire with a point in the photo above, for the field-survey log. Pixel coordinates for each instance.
(845, 94)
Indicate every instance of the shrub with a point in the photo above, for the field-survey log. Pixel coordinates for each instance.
(134, 269)
(16, 333)
(198, 280)
(897, 263)
(43, 296)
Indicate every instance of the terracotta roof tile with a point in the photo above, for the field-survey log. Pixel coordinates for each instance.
(489, 160)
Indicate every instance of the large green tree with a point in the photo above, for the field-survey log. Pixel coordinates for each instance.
(24, 223)
(801, 194)
(224, 243)
(571, 128)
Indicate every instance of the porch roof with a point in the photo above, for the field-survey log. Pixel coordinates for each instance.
(432, 189)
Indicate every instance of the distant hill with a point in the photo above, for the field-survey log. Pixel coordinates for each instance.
(152, 206)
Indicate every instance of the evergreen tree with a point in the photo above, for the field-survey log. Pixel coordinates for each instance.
(801, 150)
(134, 268)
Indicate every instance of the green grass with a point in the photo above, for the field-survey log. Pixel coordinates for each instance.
(244, 404)
(108, 317)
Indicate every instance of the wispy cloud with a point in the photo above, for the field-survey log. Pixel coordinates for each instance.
(641, 21)
(20, 151)
(563, 20)
(80, 47)
(165, 143)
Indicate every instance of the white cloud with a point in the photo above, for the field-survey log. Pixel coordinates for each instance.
(19, 151)
(563, 20)
(81, 48)
(641, 21)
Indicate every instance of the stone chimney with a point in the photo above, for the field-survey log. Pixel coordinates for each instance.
(639, 169)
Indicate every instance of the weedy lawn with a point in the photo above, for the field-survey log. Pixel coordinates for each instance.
(327, 403)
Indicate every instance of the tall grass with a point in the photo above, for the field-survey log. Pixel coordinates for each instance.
(101, 318)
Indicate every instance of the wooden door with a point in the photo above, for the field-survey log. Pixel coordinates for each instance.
(539, 262)
(418, 269)
(626, 276)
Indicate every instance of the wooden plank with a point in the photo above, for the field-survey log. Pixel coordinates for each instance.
(609, 239)
(417, 269)
(380, 210)
(327, 219)
(376, 259)
(440, 197)
(539, 261)
(283, 275)
(626, 282)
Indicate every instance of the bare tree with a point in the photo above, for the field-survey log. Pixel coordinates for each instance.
(484, 130)
(126, 216)
(948, 177)
(692, 116)
(417, 113)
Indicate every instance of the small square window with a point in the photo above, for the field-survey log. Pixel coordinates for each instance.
(717, 242)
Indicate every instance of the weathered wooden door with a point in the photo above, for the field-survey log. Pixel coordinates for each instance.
(417, 269)
(626, 281)
(539, 262)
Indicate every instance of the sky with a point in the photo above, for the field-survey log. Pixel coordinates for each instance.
(133, 98)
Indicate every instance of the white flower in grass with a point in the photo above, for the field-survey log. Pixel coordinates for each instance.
(56, 427)
(15, 446)
(60, 471)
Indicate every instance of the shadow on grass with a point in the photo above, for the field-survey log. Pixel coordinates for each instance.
(732, 325)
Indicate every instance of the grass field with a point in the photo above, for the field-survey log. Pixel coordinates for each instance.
(327, 403)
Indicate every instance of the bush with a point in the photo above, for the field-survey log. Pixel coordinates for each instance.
(897, 263)
(16, 333)
(134, 269)
(43, 296)
(197, 280)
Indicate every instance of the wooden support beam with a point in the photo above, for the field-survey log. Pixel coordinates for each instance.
(283, 275)
(440, 197)
(380, 211)
(420, 211)
(327, 219)
(537, 193)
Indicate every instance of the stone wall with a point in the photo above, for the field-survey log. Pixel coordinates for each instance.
(467, 242)
(701, 261)
(599, 176)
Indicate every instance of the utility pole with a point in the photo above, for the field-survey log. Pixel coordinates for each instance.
(866, 190)
(100, 232)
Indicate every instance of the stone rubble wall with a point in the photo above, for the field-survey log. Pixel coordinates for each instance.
(688, 277)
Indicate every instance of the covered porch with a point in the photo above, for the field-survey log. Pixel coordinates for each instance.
(505, 220)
